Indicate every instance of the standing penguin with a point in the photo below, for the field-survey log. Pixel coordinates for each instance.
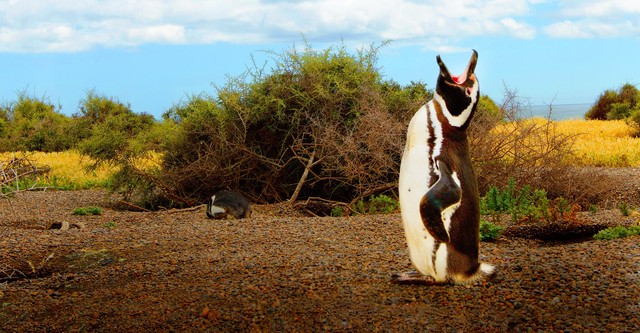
(439, 197)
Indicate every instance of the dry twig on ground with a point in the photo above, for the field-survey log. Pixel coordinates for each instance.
(15, 169)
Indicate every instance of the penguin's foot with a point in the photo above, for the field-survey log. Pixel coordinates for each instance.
(414, 278)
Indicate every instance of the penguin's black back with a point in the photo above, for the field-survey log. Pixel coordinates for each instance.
(232, 202)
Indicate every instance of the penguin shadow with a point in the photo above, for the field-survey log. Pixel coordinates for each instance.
(414, 278)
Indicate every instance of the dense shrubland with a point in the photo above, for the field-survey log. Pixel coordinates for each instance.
(323, 126)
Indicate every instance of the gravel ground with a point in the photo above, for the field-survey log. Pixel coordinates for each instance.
(278, 271)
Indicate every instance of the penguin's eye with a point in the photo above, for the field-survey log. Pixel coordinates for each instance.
(469, 90)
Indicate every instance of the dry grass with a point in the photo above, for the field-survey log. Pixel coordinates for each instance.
(603, 143)
(608, 143)
(68, 169)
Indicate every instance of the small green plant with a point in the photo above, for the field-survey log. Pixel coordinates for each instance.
(489, 231)
(109, 225)
(593, 209)
(524, 204)
(561, 209)
(337, 211)
(562, 205)
(359, 208)
(497, 200)
(531, 205)
(617, 232)
(624, 209)
(380, 204)
(92, 210)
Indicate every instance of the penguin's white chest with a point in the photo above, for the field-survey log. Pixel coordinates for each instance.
(424, 142)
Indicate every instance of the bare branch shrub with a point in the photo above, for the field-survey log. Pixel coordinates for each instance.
(367, 157)
(323, 124)
(15, 169)
(532, 152)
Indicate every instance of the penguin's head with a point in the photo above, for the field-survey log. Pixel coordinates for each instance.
(458, 95)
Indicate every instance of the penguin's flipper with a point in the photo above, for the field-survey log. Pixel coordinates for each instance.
(443, 194)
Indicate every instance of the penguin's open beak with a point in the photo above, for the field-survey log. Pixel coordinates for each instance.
(462, 78)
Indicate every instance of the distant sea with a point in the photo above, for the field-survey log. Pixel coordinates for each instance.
(558, 111)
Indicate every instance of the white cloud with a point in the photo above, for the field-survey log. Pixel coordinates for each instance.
(69, 25)
(596, 19)
(600, 8)
(592, 29)
(166, 33)
(566, 29)
(518, 29)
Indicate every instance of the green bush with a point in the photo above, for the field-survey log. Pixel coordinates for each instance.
(619, 111)
(116, 136)
(87, 211)
(109, 129)
(33, 124)
(523, 203)
(489, 231)
(337, 211)
(600, 109)
(634, 121)
(617, 232)
(623, 104)
(487, 106)
(109, 225)
(377, 204)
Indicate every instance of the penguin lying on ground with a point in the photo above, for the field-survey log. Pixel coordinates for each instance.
(438, 192)
(228, 204)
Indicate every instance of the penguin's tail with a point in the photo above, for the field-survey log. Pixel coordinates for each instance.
(484, 271)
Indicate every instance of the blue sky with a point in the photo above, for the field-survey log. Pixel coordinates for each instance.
(153, 54)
